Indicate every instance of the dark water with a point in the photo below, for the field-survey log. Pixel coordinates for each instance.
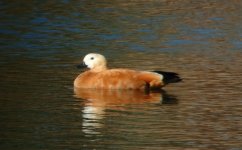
(42, 41)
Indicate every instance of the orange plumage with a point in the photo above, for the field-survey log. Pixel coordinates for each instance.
(100, 77)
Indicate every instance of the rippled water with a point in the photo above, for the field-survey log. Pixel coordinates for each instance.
(42, 41)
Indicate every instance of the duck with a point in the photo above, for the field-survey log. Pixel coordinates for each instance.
(99, 76)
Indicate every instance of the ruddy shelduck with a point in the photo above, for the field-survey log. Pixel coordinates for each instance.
(100, 77)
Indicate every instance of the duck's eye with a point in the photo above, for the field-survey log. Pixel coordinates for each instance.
(92, 58)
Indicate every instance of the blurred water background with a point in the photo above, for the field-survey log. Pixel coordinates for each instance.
(42, 41)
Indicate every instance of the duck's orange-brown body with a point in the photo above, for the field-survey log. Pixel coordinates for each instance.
(100, 77)
(118, 79)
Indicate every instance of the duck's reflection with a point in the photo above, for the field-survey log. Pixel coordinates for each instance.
(121, 97)
(97, 101)
(92, 117)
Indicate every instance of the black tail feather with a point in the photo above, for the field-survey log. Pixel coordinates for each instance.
(169, 77)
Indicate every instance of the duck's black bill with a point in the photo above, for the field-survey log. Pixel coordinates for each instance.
(81, 66)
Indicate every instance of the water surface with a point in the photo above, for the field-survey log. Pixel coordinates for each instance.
(41, 42)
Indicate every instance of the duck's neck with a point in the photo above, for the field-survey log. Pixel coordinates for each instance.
(99, 69)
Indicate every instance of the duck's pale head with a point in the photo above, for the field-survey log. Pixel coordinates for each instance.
(95, 62)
